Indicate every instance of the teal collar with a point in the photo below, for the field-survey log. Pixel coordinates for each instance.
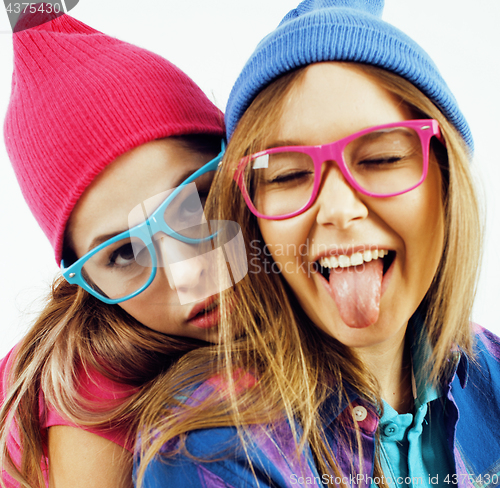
(424, 391)
(421, 351)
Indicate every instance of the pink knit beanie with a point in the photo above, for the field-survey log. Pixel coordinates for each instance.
(79, 100)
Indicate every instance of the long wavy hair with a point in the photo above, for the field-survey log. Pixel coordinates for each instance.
(74, 334)
(264, 331)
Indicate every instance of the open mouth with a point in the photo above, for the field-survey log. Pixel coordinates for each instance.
(328, 263)
(356, 282)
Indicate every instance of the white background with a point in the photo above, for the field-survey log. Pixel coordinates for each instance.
(211, 40)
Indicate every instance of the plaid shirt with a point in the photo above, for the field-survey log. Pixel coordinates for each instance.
(472, 423)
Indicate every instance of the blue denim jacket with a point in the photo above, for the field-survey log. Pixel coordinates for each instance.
(472, 426)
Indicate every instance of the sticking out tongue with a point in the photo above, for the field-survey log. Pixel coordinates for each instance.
(356, 291)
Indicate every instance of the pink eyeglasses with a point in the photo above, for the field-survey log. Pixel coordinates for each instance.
(382, 161)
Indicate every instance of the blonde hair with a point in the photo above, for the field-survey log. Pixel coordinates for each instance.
(77, 331)
(293, 361)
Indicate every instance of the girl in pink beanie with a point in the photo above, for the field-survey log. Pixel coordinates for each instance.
(94, 129)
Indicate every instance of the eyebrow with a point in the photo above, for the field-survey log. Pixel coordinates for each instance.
(284, 143)
(373, 135)
(104, 237)
(185, 176)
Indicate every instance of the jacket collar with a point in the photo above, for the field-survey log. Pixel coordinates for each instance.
(420, 350)
(459, 367)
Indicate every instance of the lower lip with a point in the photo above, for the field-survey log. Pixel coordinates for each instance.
(206, 320)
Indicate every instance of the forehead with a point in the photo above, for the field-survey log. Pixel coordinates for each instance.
(333, 100)
(131, 179)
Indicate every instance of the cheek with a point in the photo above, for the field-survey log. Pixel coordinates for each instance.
(289, 243)
(287, 240)
(418, 219)
(155, 307)
(136, 308)
(429, 226)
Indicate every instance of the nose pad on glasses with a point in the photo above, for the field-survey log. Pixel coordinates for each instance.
(339, 203)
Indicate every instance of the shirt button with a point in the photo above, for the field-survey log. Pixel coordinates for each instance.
(390, 430)
(359, 413)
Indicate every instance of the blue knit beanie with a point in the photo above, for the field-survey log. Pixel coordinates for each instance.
(340, 30)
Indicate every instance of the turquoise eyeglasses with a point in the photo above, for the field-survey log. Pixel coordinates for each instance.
(125, 265)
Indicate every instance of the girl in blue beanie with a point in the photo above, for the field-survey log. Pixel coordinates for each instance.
(353, 361)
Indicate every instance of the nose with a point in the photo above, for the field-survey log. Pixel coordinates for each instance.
(339, 203)
(188, 268)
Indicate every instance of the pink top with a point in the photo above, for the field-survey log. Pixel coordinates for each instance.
(93, 385)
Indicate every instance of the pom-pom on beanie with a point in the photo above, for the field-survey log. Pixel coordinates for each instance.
(340, 30)
(79, 100)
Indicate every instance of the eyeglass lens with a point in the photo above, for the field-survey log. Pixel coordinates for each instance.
(119, 269)
(185, 213)
(382, 162)
(123, 267)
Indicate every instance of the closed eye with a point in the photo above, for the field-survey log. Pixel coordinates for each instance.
(295, 176)
(380, 161)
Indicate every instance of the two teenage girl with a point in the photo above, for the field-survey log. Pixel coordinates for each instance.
(363, 366)
(351, 360)
(95, 128)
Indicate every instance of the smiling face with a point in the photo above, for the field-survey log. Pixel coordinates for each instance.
(332, 101)
(174, 301)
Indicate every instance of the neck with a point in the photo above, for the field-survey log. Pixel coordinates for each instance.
(390, 364)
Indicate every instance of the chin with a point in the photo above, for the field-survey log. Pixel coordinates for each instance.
(353, 337)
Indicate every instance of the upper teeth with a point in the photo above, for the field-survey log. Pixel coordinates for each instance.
(343, 261)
